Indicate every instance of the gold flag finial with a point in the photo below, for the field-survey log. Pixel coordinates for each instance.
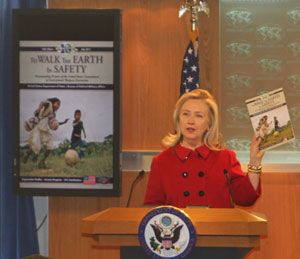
(195, 7)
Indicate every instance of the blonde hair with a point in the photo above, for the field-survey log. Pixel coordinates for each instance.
(212, 137)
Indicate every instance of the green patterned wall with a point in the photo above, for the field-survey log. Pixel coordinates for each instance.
(259, 52)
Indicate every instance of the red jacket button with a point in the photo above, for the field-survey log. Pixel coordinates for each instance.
(186, 193)
(201, 193)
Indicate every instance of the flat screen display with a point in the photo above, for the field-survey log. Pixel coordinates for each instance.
(66, 79)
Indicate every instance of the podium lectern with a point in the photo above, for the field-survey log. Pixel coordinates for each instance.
(221, 233)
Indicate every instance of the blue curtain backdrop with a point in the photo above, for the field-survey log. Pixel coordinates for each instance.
(18, 236)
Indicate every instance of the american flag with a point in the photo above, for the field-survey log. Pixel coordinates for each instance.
(190, 69)
(89, 179)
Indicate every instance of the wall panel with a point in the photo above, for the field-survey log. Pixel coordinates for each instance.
(66, 241)
(154, 42)
(280, 203)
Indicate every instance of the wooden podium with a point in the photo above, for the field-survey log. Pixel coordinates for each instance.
(221, 233)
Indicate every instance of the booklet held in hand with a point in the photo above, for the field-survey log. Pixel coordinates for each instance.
(270, 119)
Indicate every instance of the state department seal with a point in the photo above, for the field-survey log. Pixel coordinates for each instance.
(167, 232)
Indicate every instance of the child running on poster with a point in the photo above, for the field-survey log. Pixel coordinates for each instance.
(76, 139)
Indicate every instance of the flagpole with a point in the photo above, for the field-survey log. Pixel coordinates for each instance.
(195, 7)
(190, 67)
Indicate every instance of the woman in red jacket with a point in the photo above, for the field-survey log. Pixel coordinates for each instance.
(191, 170)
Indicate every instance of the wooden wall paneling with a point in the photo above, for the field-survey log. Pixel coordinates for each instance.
(65, 214)
(209, 49)
(280, 203)
(154, 41)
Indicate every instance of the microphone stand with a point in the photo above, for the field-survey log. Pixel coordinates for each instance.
(230, 187)
(139, 176)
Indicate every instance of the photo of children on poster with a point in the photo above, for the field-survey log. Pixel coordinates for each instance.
(66, 138)
(270, 119)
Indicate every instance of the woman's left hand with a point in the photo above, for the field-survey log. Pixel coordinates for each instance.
(255, 155)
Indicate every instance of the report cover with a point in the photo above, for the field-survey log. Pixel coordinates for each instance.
(270, 119)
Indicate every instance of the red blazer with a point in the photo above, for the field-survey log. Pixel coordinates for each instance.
(182, 177)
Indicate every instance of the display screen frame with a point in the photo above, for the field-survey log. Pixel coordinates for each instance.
(74, 56)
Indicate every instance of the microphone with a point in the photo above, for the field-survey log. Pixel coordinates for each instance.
(139, 176)
(230, 188)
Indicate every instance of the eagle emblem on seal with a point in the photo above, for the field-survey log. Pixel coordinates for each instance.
(167, 233)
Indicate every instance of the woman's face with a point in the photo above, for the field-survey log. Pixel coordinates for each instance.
(194, 121)
(56, 105)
